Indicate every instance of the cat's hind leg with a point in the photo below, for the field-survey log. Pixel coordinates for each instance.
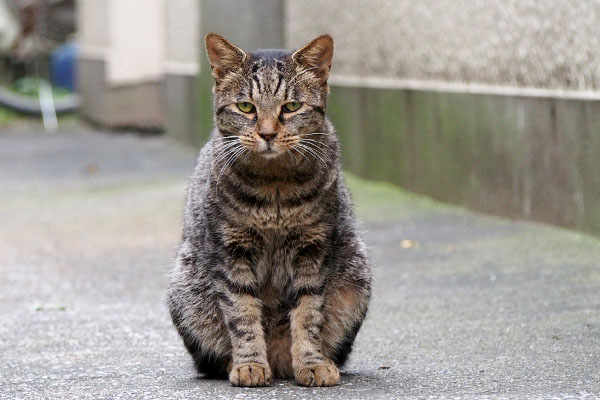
(345, 307)
(346, 299)
(193, 306)
(210, 364)
(210, 361)
(279, 343)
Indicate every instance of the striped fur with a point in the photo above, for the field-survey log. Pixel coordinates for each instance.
(270, 278)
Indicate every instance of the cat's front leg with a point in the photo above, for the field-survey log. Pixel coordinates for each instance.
(243, 315)
(249, 366)
(311, 366)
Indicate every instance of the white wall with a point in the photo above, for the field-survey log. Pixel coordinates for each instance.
(137, 41)
(93, 28)
(552, 44)
(140, 40)
(183, 37)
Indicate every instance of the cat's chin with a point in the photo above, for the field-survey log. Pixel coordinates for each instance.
(270, 154)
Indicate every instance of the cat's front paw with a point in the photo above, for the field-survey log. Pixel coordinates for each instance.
(326, 374)
(251, 374)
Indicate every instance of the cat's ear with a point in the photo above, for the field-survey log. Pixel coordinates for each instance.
(223, 55)
(317, 54)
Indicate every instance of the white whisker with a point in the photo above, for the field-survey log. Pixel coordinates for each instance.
(220, 148)
(313, 153)
(217, 157)
(224, 153)
(230, 162)
(314, 133)
(300, 152)
(317, 147)
(293, 156)
(316, 142)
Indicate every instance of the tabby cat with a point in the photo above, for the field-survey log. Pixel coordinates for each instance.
(270, 278)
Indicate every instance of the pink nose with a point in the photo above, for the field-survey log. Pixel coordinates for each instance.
(268, 136)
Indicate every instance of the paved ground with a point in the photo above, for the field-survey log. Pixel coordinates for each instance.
(464, 305)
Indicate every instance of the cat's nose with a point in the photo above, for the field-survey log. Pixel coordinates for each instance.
(268, 136)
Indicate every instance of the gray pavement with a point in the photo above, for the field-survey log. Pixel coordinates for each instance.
(464, 306)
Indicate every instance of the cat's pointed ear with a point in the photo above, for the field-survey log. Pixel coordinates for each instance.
(223, 55)
(317, 54)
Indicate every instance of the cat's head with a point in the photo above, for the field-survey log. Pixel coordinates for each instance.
(270, 99)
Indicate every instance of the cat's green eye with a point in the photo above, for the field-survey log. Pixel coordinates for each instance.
(292, 106)
(245, 106)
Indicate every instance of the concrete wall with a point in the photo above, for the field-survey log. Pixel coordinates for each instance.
(182, 36)
(93, 28)
(138, 63)
(183, 47)
(522, 157)
(131, 106)
(113, 92)
(137, 36)
(523, 43)
(493, 105)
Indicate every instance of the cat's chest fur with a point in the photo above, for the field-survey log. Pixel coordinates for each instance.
(274, 205)
(282, 229)
(278, 213)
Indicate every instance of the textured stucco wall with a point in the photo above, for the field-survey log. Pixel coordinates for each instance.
(137, 41)
(183, 34)
(93, 28)
(553, 44)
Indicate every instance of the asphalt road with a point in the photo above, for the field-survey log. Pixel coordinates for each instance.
(464, 305)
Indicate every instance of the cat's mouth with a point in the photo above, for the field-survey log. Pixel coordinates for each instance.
(268, 149)
(269, 152)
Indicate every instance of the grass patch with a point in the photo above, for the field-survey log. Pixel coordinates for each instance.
(7, 116)
(30, 87)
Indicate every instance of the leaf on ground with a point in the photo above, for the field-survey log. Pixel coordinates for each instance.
(408, 244)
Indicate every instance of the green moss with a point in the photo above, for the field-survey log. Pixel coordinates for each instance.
(30, 86)
(7, 116)
(383, 202)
